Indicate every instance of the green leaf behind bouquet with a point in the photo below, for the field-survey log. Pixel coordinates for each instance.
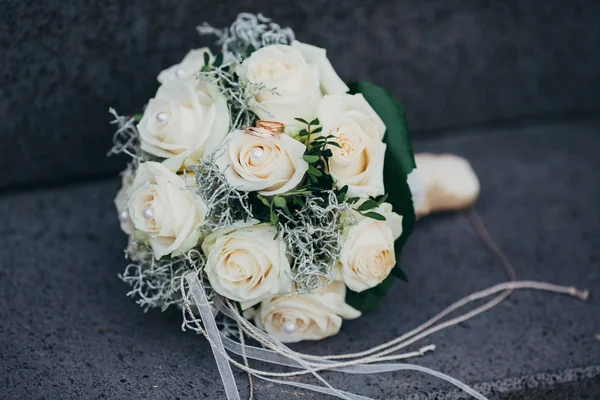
(399, 162)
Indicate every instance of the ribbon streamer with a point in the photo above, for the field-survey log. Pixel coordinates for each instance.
(280, 354)
(276, 358)
(210, 325)
(286, 356)
(276, 353)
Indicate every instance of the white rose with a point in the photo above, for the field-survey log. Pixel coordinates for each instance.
(191, 63)
(164, 209)
(367, 255)
(271, 165)
(312, 316)
(329, 80)
(359, 131)
(246, 263)
(299, 74)
(187, 118)
(122, 202)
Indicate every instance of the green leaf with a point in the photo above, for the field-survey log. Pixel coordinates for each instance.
(274, 219)
(341, 196)
(370, 298)
(382, 199)
(279, 202)
(374, 215)
(301, 120)
(264, 200)
(137, 117)
(299, 201)
(287, 211)
(218, 60)
(310, 159)
(352, 200)
(319, 129)
(399, 158)
(335, 144)
(392, 114)
(206, 58)
(368, 205)
(399, 273)
(303, 132)
(298, 191)
(312, 171)
(315, 121)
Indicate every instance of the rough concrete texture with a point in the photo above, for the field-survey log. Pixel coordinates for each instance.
(67, 331)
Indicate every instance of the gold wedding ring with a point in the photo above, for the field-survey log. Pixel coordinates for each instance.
(266, 129)
(275, 127)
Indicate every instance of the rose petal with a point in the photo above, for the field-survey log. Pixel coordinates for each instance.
(331, 83)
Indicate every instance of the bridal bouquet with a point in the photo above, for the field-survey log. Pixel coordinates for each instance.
(284, 188)
(263, 188)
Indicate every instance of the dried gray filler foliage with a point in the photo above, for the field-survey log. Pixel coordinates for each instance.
(313, 236)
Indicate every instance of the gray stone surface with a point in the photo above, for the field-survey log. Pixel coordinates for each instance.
(68, 332)
(452, 62)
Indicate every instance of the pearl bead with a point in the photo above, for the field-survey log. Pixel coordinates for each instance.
(256, 154)
(148, 213)
(289, 327)
(162, 117)
(124, 216)
(179, 71)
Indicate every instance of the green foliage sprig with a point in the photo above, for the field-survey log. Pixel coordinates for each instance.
(366, 207)
(319, 180)
(207, 67)
(317, 153)
(317, 156)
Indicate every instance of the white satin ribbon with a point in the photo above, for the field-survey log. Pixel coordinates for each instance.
(272, 357)
(210, 325)
(220, 344)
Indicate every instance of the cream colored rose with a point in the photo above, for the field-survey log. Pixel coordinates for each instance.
(186, 119)
(122, 202)
(165, 210)
(367, 255)
(312, 316)
(329, 80)
(191, 64)
(299, 74)
(271, 165)
(358, 162)
(245, 263)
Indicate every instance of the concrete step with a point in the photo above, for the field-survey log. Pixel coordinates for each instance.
(67, 330)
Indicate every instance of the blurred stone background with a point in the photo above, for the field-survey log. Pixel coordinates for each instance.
(452, 63)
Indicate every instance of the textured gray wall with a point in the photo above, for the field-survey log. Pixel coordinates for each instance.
(451, 62)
